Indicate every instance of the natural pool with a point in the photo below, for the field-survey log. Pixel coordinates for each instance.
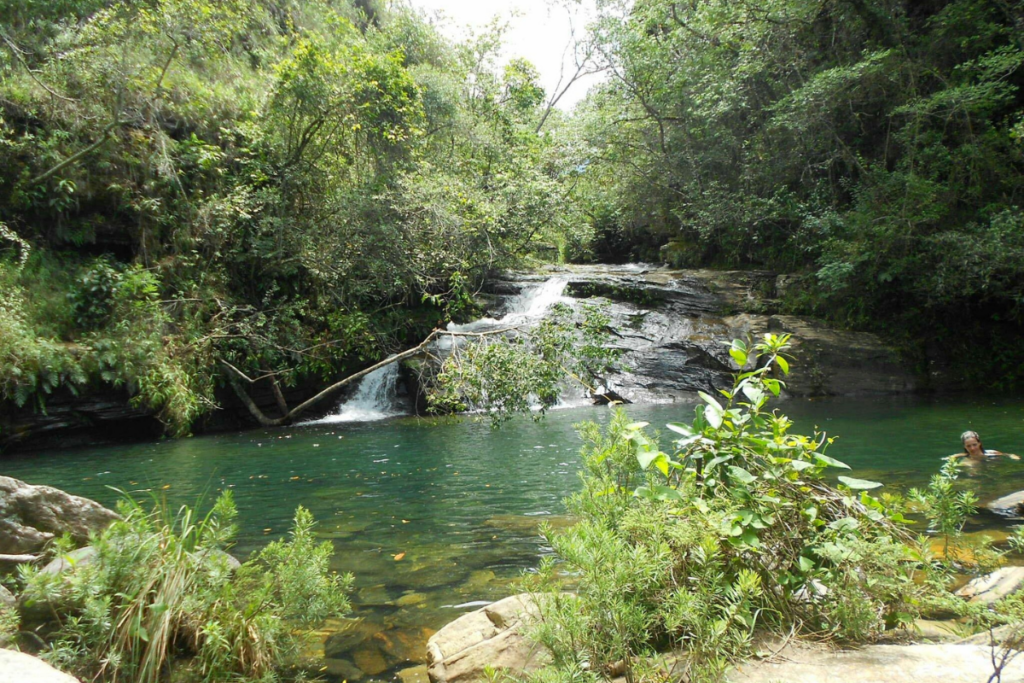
(435, 516)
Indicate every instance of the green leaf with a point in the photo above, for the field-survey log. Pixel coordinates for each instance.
(800, 465)
(783, 363)
(710, 400)
(713, 414)
(832, 462)
(633, 426)
(665, 493)
(680, 428)
(739, 356)
(754, 393)
(741, 474)
(646, 457)
(860, 484)
(806, 564)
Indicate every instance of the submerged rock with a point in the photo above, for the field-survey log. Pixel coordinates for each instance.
(30, 516)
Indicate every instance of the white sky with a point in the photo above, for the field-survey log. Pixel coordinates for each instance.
(539, 32)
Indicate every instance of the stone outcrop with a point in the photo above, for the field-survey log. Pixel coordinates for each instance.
(30, 516)
(1011, 505)
(938, 663)
(673, 326)
(18, 667)
(995, 586)
(487, 637)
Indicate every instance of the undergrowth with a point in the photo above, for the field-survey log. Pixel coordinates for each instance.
(160, 598)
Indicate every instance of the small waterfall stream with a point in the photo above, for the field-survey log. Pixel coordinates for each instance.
(374, 399)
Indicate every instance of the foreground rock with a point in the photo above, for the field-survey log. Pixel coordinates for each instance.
(488, 637)
(947, 663)
(32, 515)
(18, 667)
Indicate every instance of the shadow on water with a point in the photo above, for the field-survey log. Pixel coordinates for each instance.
(435, 517)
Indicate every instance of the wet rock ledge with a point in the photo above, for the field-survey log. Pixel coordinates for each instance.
(673, 326)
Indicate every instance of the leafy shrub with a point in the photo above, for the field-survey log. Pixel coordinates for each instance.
(160, 595)
(735, 531)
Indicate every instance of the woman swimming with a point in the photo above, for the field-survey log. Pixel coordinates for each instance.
(974, 452)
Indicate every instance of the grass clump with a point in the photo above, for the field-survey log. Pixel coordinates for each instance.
(736, 532)
(161, 598)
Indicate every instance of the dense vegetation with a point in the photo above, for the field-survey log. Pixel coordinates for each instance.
(292, 188)
(295, 190)
(681, 561)
(876, 146)
(158, 599)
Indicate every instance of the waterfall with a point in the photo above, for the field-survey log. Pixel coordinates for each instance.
(373, 399)
(529, 305)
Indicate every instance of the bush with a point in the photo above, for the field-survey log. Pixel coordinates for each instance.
(736, 531)
(160, 597)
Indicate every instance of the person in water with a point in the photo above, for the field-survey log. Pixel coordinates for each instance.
(974, 452)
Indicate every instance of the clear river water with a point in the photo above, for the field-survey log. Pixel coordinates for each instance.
(436, 516)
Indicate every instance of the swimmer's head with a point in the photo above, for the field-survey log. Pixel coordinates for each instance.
(972, 444)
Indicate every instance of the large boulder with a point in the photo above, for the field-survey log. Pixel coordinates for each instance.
(18, 667)
(488, 637)
(30, 516)
(946, 663)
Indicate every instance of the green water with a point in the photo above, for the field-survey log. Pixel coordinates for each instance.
(433, 517)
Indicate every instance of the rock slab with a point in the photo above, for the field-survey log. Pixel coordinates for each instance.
(995, 586)
(30, 516)
(1010, 506)
(490, 636)
(18, 667)
(923, 663)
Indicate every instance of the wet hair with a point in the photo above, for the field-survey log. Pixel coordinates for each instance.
(969, 434)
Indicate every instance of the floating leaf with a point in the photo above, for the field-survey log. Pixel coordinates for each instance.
(399, 556)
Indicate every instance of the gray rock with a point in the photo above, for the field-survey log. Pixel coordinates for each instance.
(487, 637)
(32, 515)
(1009, 506)
(7, 599)
(76, 558)
(995, 586)
(18, 667)
(933, 663)
(670, 325)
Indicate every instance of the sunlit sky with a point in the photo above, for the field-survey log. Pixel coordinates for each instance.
(539, 31)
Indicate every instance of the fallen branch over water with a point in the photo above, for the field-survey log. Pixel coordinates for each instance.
(236, 377)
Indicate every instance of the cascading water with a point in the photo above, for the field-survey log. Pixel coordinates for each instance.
(374, 399)
(529, 305)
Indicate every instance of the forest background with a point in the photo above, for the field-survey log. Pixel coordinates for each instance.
(297, 189)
